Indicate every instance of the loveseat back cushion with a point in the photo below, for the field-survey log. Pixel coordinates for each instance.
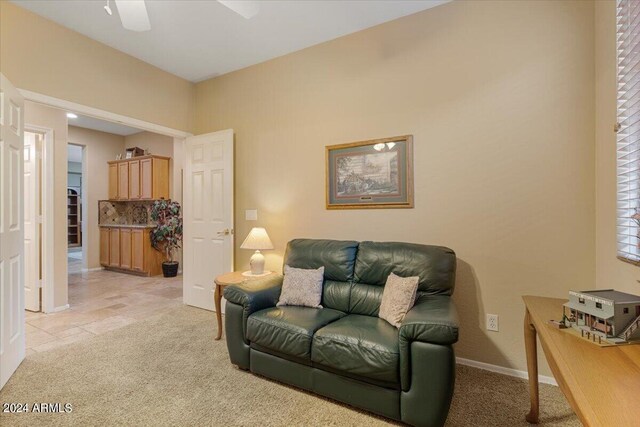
(338, 257)
(435, 265)
(365, 299)
(336, 295)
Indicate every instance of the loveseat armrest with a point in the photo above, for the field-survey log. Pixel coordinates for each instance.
(243, 300)
(256, 294)
(433, 319)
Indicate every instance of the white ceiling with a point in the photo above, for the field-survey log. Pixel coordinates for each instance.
(103, 126)
(199, 39)
(74, 153)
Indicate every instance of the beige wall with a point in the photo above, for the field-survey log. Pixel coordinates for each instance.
(41, 56)
(499, 97)
(610, 272)
(156, 144)
(100, 147)
(52, 118)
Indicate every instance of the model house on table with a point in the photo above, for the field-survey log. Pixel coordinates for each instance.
(614, 315)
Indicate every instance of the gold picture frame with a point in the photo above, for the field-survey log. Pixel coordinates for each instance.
(373, 174)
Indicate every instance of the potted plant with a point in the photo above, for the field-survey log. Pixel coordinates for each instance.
(166, 237)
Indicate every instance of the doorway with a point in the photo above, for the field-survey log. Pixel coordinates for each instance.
(76, 201)
(101, 300)
(12, 240)
(33, 146)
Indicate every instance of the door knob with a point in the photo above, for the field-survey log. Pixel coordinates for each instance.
(224, 232)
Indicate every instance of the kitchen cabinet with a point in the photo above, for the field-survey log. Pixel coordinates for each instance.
(128, 249)
(113, 181)
(140, 178)
(138, 246)
(134, 179)
(146, 175)
(104, 246)
(123, 180)
(114, 247)
(125, 248)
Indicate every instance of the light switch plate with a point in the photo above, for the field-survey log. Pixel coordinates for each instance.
(251, 215)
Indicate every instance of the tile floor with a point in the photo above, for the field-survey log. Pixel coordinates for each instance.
(101, 301)
(74, 260)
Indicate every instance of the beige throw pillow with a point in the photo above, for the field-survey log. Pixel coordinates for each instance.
(302, 287)
(398, 297)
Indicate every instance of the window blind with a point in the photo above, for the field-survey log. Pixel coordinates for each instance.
(628, 130)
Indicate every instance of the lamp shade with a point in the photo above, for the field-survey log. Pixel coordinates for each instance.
(257, 239)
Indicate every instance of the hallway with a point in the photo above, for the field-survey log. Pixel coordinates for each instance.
(74, 259)
(101, 301)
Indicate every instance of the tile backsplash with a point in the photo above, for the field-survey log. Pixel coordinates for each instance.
(133, 213)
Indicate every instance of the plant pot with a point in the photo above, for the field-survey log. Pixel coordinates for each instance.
(170, 269)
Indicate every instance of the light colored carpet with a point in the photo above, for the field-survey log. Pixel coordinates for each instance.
(168, 370)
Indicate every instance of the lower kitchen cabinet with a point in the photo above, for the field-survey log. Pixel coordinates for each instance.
(129, 250)
(137, 243)
(125, 248)
(114, 247)
(104, 246)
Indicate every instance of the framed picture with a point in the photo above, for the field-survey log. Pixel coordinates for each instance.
(370, 174)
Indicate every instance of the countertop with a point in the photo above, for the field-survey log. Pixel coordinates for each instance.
(126, 225)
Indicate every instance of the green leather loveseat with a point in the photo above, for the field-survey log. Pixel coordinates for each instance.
(343, 350)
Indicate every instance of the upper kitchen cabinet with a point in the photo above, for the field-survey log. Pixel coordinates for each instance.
(123, 181)
(139, 178)
(113, 181)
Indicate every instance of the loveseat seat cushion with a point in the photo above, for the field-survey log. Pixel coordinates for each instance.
(289, 330)
(361, 346)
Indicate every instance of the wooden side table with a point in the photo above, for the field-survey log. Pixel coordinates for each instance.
(232, 278)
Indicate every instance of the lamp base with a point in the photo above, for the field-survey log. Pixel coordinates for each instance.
(257, 264)
(248, 273)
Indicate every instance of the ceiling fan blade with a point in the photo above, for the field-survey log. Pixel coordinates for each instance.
(133, 14)
(245, 8)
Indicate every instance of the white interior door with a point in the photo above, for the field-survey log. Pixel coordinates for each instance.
(12, 344)
(31, 222)
(208, 214)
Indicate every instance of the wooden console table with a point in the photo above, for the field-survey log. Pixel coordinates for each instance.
(602, 384)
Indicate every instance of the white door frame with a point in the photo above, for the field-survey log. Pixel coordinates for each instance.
(47, 175)
(101, 114)
(47, 215)
(84, 217)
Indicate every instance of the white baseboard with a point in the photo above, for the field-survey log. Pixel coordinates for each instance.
(61, 308)
(87, 270)
(504, 371)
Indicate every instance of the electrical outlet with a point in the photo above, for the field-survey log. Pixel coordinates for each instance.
(492, 322)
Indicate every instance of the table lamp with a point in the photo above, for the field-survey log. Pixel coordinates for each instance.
(257, 239)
